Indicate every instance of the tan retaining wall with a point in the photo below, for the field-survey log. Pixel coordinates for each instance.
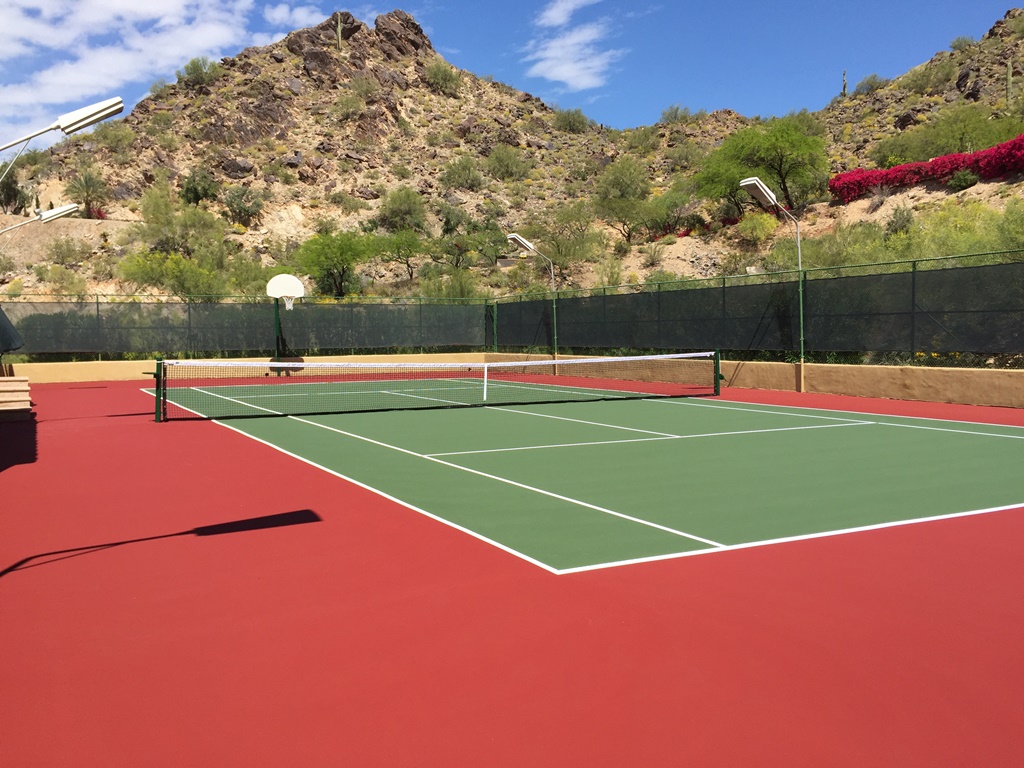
(947, 385)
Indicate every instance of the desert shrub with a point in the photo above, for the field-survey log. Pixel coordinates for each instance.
(962, 179)
(644, 140)
(756, 228)
(244, 205)
(507, 163)
(675, 114)
(66, 251)
(199, 71)
(899, 221)
(199, 185)
(402, 208)
(962, 43)
(462, 173)
(870, 84)
(443, 79)
(61, 279)
(364, 86)
(571, 121)
(348, 203)
(347, 106)
(117, 136)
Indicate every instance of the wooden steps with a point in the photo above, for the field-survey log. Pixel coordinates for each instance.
(15, 401)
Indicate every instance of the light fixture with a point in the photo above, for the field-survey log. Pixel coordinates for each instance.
(522, 242)
(758, 190)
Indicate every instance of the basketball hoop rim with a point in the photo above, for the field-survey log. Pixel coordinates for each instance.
(289, 302)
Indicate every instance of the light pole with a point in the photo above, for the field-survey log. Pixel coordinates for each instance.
(522, 242)
(69, 123)
(760, 192)
(41, 216)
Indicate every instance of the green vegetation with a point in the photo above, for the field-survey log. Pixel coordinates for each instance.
(198, 72)
(462, 173)
(13, 199)
(117, 136)
(507, 163)
(442, 79)
(244, 205)
(571, 121)
(787, 153)
(620, 193)
(199, 185)
(962, 43)
(870, 84)
(68, 251)
(402, 209)
(89, 190)
(960, 128)
(331, 260)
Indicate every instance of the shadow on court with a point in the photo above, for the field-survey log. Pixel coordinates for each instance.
(298, 517)
(18, 442)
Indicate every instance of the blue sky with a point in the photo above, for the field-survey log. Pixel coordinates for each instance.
(622, 63)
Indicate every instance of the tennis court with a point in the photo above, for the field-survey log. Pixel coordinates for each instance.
(616, 474)
(627, 581)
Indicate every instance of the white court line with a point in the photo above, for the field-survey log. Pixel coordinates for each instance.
(790, 410)
(396, 500)
(789, 539)
(651, 439)
(507, 481)
(946, 429)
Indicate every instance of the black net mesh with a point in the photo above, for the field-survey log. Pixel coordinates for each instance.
(10, 339)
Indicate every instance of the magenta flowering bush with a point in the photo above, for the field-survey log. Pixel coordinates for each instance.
(993, 163)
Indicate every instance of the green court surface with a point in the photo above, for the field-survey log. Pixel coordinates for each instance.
(576, 486)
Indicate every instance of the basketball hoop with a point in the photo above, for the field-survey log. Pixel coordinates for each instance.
(287, 287)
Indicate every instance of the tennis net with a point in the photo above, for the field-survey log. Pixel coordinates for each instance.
(226, 389)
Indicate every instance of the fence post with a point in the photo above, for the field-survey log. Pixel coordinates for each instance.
(913, 309)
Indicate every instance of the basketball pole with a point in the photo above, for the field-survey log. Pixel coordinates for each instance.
(277, 332)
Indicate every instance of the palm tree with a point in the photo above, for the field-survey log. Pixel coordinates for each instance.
(89, 190)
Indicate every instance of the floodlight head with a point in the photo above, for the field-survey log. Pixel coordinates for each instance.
(521, 241)
(56, 213)
(86, 116)
(759, 191)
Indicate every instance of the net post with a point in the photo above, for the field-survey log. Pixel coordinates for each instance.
(160, 391)
(718, 372)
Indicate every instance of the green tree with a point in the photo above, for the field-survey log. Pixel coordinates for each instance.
(788, 153)
(332, 260)
(567, 237)
(88, 190)
(620, 193)
(403, 248)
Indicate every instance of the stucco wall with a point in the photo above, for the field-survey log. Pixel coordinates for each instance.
(949, 385)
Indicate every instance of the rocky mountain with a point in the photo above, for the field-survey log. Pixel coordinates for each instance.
(322, 124)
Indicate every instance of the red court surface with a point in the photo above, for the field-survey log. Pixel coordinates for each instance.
(378, 637)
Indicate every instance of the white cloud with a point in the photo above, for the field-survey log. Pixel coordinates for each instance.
(299, 17)
(63, 54)
(557, 13)
(574, 58)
